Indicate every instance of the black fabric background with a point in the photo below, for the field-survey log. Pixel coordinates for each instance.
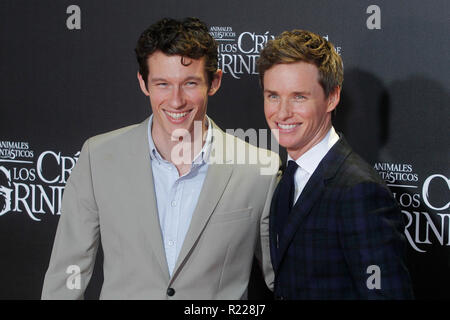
(59, 86)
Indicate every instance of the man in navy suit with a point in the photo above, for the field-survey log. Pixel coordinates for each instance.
(335, 228)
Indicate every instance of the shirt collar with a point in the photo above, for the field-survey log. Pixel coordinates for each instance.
(200, 158)
(203, 156)
(311, 158)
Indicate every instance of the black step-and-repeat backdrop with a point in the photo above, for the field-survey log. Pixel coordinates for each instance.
(68, 71)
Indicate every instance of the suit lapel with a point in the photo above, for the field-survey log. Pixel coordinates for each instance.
(312, 192)
(143, 193)
(272, 233)
(216, 180)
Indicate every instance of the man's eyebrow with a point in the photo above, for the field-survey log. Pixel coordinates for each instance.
(193, 78)
(158, 80)
(303, 93)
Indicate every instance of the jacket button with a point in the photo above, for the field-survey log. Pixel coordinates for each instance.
(170, 292)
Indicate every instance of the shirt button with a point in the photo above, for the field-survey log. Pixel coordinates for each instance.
(171, 242)
(174, 203)
(170, 292)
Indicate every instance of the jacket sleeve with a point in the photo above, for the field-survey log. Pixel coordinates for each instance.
(263, 247)
(77, 236)
(371, 234)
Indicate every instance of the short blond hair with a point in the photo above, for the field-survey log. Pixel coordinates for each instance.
(301, 45)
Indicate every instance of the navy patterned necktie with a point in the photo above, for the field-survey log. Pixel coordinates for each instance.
(285, 196)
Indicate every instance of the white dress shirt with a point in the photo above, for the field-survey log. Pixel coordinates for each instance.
(309, 161)
(177, 196)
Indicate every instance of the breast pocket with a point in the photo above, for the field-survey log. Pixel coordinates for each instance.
(228, 216)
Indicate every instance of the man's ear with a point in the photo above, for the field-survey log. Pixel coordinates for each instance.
(142, 84)
(215, 84)
(333, 99)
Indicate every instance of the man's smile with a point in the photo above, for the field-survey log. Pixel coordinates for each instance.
(177, 117)
(287, 127)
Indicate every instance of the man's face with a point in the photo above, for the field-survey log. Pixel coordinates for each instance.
(178, 93)
(296, 106)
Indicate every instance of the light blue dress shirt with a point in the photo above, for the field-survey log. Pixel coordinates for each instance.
(177, 196)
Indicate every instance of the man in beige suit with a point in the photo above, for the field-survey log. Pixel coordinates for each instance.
(180, 206)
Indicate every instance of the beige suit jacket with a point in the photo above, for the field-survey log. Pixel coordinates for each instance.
(110, 195)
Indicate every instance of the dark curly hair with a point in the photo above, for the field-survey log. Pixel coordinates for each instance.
(301, 45)
(187, 38)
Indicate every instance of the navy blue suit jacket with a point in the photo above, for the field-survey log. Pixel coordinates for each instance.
(344, 230)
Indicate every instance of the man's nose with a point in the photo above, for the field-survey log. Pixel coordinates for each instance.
(176, 99)
(284, 111)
